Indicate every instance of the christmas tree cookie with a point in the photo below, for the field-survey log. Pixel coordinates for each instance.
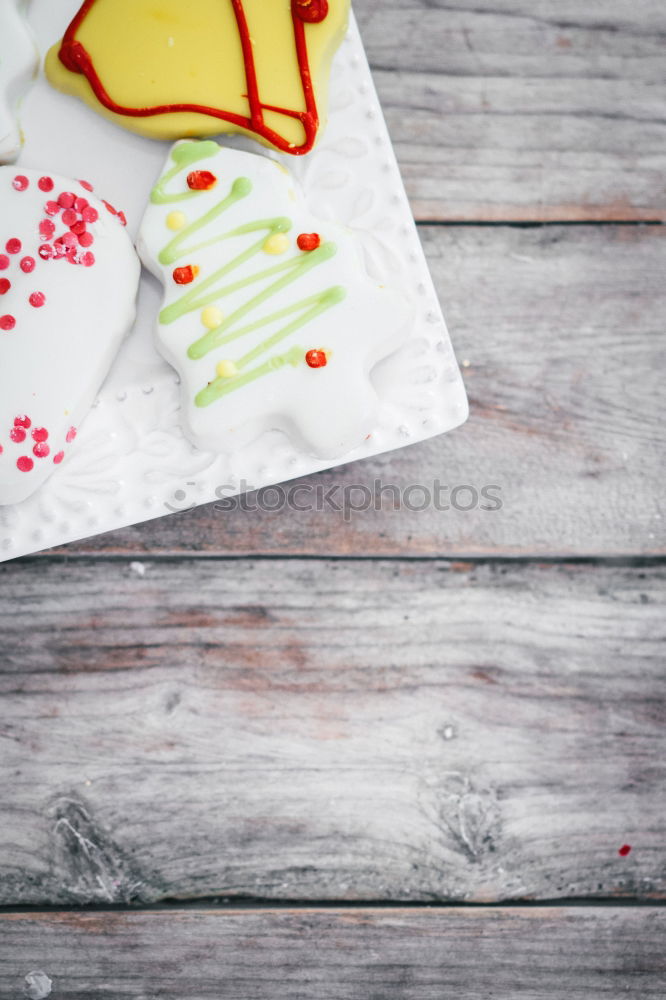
(174, 68)
(268, 315)
(68, 281)
(18, 66)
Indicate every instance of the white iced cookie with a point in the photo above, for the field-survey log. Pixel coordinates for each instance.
(269, 316)
(68, 283)
(18, 65)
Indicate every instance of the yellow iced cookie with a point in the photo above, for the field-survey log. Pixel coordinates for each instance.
(181, 68)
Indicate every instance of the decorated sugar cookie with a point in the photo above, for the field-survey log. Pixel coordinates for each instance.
(68, 282)
(18, 65)
(269, 315)
(174, 68)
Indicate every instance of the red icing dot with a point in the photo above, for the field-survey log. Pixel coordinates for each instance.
(201, 180)
(308, 241)
(316, 359)
(66, 199)
(90, 214)
(52, 208)
(22, 421)
(69, 216)
(624, 850)
(7, 322)
(28, 265)
(67, 240)
(5, 285)
(21, 182)
(78, 227)
(45, 184)
(71, 434)
(41, 450)
(88, 259)
(80, 204)
(58, 457)
(86, 185)
(17, 434)
(25, 464)
(46, 251)
(4, 262)
(185, 275)
(13, 246)
(40, 434)
(310, 11)
(46, 229)
(86, 239)
(37, 299)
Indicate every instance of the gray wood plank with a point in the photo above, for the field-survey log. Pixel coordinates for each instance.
(343, 730)
(341, 954)
(560, 330)
(524, 109)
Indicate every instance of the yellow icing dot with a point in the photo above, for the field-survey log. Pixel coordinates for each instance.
(226, 369)
(211, 317)
(276, 244)
(176, 220)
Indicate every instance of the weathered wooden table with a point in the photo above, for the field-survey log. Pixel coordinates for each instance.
(411, 754)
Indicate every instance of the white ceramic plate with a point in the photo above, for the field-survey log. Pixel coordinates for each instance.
(132, 462)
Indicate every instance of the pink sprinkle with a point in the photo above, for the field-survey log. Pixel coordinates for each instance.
(28, 265)
(22, 421)
(80, 204)
(71, 434)
(7, 322)
(88, 259)
(90, 214)
(37, 299)
(52, 208)
(5, 285)
(86, 185)
(86, 239)
(69, 217)
(41, 450)
(46, 251)
(21, 182)
(46, 229)
(25, 464)
(109, 207)
(122, 217)
(67, 239)
(58, 457)
(45, 184)
(40, 434)
(624, 850)
(17, 434)
(4, 262)
(66, 199)
(13, 246)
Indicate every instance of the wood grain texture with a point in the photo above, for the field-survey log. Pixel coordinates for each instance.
(344, 730)
(400, 954)
(560, 330)
(524, 109)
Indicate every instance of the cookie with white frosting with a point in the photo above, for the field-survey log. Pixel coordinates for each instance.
(68, 282)
(269, 315)
(18, 66)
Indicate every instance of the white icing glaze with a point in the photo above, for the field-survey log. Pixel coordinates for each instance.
(18, 65)
(328, 410)
(54, 356)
